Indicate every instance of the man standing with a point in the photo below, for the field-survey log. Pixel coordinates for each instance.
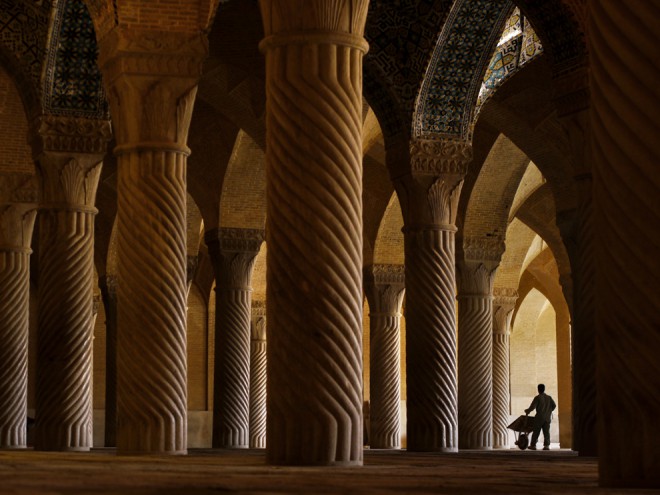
(544, 406)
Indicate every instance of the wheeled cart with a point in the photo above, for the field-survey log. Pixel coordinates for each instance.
(523, 426)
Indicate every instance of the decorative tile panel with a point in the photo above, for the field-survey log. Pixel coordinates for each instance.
(515, 49)
(449, 93)
(401, 35)
(72, 81)
(23, 31)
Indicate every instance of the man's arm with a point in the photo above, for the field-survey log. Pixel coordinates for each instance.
(532, 405)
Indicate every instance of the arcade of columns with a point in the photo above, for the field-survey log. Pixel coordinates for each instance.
(315, 274)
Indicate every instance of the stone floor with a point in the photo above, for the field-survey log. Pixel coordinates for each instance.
(203, 472)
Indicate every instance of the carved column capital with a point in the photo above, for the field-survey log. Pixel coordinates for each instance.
(440, 157)
(384, 286)
(504, 302)
(142, 52)
(474, 279)
(258, 324)
(337, 18)
(155, 75)
(429, 194)
(70, 135)
(18, 206)
(485, 249)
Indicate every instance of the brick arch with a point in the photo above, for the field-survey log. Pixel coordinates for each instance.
(15, 153)
(243, 199)
(389, 243)
(522, 110)
(182, 16)
(449, 92)
(211, 141)
(487, 200)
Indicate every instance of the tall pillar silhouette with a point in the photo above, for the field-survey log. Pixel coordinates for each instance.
(429, 201)
(623, 38)
(233, 252)
(504, 302)
(571, 98)
(151, 81)
(385, 287)
(475, 276)
(69, 153)
(108, 286)
(258, 376)
(18, 209)
(314, 51)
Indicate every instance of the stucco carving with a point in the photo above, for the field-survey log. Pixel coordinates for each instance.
(443, 156)
(70, 134)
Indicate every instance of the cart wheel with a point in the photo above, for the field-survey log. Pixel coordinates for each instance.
(523, 441)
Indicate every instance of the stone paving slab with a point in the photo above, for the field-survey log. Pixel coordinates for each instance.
(215, 471)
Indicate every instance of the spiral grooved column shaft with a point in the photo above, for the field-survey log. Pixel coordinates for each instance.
(431, 341)
(475, 331)
(64, 349)
(501, 391)
(258, 394)
(314, 237)
(385, 387)
(625, 149)
(584, 338)
(232, 370)
(14, 287)
(151, 310)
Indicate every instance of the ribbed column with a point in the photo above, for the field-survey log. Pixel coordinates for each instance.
(429, 200)
(314, 53)
(233, 252)
(572, 98)
(385, 287)
(151, 79)
(108, 286)
(16, 225)
(623, 38)
(68, 152)
(258, 376)
(475, 342)
(503, 304)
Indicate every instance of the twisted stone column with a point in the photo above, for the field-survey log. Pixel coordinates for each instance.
(258, 376)
(151, 80)
(504, 303)
(108, 286)
(429, 201)
(572, 102)
(623, 37)
(233, 252)
(475, 341)
(68, 152)
(16, 225)
(385, 287)
(314, 53)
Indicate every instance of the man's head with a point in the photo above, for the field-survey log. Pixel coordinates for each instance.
(541, 388)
